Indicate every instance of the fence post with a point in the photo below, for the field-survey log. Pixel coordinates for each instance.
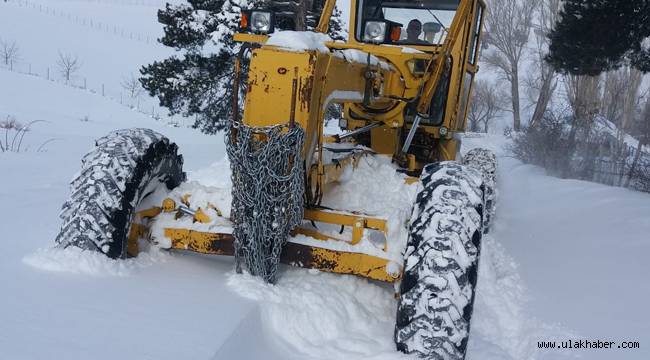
(103, 94)
(85, 87)
(48, 73)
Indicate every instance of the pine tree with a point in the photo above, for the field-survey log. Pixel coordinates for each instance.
(197, 81)
(594, 36)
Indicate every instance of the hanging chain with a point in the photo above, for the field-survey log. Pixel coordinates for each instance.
(268, 193)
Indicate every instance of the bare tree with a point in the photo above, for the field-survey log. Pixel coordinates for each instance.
(633, 78)
(585, 102)
(620, 104)
(544, 82)
(486, 104)
(132, 86)
(584, 96)
(68, 65)
(508, 26)
(9, 52)
(644, 139)
(613, 94)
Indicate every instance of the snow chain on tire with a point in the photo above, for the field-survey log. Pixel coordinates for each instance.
(125, 166)
(268, 187)
(441, 263)
(486, 162)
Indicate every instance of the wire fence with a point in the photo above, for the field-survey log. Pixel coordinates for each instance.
(620, 173)
(149, 3)
(618, 165)
(94, 24)
(130, 97)
(135, 98)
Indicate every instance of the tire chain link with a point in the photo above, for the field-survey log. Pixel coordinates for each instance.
(268, 192)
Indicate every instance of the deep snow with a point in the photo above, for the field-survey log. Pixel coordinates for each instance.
(566, 259)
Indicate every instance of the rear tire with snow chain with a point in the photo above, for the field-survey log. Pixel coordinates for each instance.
(486, 162)
(441, 263)
(125, 167)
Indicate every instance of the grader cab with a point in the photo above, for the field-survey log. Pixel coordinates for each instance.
(403, 80)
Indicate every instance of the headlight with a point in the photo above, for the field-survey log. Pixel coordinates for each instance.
(261, 22)
(374, 31)
(257, 21)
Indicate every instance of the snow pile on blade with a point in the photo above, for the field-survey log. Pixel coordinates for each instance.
(375, 188)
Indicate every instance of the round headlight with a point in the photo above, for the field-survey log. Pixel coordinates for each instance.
(374, 31)
(261, 21)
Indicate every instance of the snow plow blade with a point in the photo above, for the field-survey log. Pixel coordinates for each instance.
(293, 254)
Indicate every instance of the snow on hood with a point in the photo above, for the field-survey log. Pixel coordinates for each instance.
(299, 40)
(309, 40)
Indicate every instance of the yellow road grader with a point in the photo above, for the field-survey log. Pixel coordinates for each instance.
(403, 80)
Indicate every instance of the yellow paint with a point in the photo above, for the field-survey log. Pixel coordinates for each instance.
(385, 140)
(296, 87)
(148, 213)
(201, 242)
(345, 219)
(341, 262)
(323, 175)
(201, 216)
(214, 207)
(326, 14)
(251, 38)
(357, 222)
(168, 205)
(324, 77)
(411, 180)
(136, 232)
(448, 149)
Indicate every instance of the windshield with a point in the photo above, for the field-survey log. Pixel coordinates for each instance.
(423, 22)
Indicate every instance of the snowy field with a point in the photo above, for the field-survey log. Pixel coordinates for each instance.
(566, 260)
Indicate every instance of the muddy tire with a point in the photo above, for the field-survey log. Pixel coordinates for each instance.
(441, 263)
(486, 162)
(125, 167)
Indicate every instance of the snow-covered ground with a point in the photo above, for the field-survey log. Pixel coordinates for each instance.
(565, 259)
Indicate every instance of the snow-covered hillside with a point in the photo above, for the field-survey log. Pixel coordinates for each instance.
(565, 260)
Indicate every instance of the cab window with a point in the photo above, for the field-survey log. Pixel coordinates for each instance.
(422, 22)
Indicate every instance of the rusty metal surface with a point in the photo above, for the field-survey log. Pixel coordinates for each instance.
(201, 242)
(293, 254)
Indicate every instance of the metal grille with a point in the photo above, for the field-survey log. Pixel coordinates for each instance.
(268, 190)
